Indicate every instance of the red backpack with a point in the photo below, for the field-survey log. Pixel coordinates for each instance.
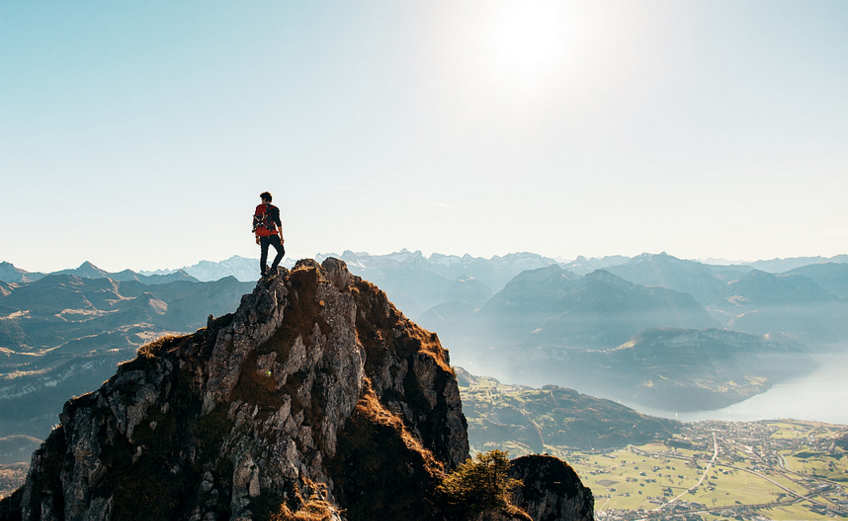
(262, 219)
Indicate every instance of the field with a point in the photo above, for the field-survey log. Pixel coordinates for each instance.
(722, 470)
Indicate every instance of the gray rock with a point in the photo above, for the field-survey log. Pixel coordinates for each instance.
(312, 381)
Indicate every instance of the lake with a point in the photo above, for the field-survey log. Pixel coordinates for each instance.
(820, 396)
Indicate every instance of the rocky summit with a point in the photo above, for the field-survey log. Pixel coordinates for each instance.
(316, 399)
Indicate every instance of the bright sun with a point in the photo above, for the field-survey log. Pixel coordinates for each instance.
(528, 36)
(512, 54)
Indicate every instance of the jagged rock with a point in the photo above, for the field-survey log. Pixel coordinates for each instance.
(336, 272)
(552, 491)
(317, 389)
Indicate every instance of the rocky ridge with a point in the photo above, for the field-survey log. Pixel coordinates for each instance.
(316, 391)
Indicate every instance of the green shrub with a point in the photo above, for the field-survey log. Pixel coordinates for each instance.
(481, 483)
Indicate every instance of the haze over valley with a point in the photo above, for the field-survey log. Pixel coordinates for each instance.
(653, 331)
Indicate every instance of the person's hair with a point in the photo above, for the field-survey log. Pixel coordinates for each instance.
(265, 196)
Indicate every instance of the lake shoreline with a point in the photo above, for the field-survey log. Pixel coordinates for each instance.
(820, 396)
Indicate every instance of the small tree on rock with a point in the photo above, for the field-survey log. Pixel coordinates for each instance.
(481, 483)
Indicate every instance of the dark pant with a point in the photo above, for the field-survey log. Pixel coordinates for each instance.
(264, 242)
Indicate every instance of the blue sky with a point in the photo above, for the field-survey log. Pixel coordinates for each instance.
(139, 134)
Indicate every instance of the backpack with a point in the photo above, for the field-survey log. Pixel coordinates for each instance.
(264, 220)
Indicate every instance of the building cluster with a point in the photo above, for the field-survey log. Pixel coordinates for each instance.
(763, 448)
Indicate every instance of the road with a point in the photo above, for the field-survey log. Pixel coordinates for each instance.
(784, 471)
(703, 476)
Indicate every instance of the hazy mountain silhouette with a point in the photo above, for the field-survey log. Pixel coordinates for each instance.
(784, 265)
(831, 276)
(63, 334)
(759, 288)
(525, 302)
(606, 311)
(88, 270)
(761, 303)
(493, 272)
(9, 273)
(468, 290)
(553, 306)
(583, 266)
(242, 268)
(702, 282)
(56, 330)
(545, 324)
(417, 283)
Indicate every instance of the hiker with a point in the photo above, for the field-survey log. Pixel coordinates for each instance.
(268, 230)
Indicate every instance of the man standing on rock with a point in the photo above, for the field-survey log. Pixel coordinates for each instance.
(268, 230)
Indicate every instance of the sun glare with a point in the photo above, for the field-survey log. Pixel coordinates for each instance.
(509, 58)
(528, 37)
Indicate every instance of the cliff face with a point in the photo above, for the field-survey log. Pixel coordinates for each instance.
(316, 395)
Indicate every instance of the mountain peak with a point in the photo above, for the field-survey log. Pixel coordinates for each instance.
(649, 257)
(605, 276)
(10, 273)
(317, 384)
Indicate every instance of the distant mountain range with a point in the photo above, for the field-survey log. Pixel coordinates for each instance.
(241, 268)
(62, 334)
(832, 277)
(784, 265)
(416, 283)
(606, 324)
(494, 272)
(10, 274)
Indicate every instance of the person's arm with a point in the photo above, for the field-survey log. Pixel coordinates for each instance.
(279, 223)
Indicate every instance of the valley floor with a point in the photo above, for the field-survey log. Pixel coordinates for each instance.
(777, 470)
